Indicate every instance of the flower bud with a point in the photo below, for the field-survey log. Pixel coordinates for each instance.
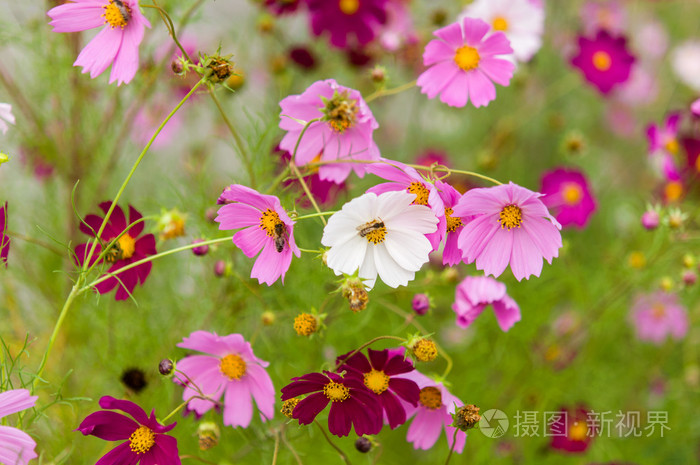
(466, 417)
(423, 349)
(134, 379)
(650, 219)
(689, 277)
(420, 304)
(362, 444)
(220, 268)
(356, 294)
(378, 74)
(201, 249)
(268, 318)
(171, 224)
(166, 367)
(208, 433)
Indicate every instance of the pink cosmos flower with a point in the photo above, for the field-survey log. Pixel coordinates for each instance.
(463, 63)
(117, 44)
(129, 248)
(144, 438)
(567, 195)
(148, 119)
(664, 147)
(451, 254)
(691, 147)
(658, 315)
(399, 29)
(607, 15)
(475, 293)
(512, 226)
(6, 116)
(349, 22)
(570, 431)
(4, 238)
(695, 108)
(406, 178)
(432, 414)
(230, 369)
(16, 446)
(344, 132)
(604, 60)
(282, 7)
(324, 192)
(266, 226)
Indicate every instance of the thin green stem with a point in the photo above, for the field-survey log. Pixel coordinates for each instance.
(452, 448)
(395, 90)
(367, 344)
(338, 449)
(177, 409)
(170, 27)
(304, 186)
(314, 215)
(236, 137)
(32, 240)
(444, 169)
(275, 182)
(277, 448)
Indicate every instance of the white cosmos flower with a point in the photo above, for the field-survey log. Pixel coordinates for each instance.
(685, 61)
(520, 20)
(6, 116)
(380, 235)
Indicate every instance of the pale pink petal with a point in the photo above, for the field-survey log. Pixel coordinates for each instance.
(435, 78)
(271, 265)
(499, 71)
(525, 258)
(496, 253)
(261, 388)
(474, 30)
(451, 34)
(126, 62)
(495, 44)
(250, 240)
(203, 341)
(476, 235)
(545, 236)
(437, 51)
(74, 17)
(507, 312)
(425, 428)
(481, 90)
(238, 405)
(16, 446)
(456, 93)
(237, 215)
(15, 400)
(100, 52)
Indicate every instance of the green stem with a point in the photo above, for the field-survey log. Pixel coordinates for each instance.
(338, 449)
(236, 137)
(177, 409)
(277, 448)
(170, 27)
(275, 182)
(38, 242)
(385, 92)
(454, 442)
(366, 344)
(314, 215)
(444, 169)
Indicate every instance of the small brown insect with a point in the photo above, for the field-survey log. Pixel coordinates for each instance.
(367, 228)
(280, 236)
(123, 10)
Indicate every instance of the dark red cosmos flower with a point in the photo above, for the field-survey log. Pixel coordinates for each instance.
(281, 7)
(129, 248)
(144, 439)
(691, 146)
(604, 60)
(4, 238)
(377, 374)
(349, 22)
(351, 403)
(571, 431)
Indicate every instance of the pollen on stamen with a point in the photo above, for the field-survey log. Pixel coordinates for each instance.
(336, 392)
(430, 397)
(233, 366)
(117, 14)
(453, 222)
(142, 440)
(510, 217)
(269, 220)
(422, 192)
(377, 381)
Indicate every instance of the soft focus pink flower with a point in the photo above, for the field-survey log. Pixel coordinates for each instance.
(695, 108)
(641, 88)
(16, 446)
(432, 414)
(475, 293)
(650, 40)
(567, 196)
(511, 226)
(607, 15)
(650, 219)
(604, 60)
(658, 315)
(344, 132)
(117, 44)
(4, 238)
(266, 226)
(398, 30)
(6, 116)
(664, 147)
(349, 22)
(148, 119)
(571, 431)
(451, 254)
(463, 62)
(228, 369)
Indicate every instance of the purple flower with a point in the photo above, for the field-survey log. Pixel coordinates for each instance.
(475, 293)
(658, 315)
(420, 304)
(229, 369)
(266, 226)
(604, 60)
(351, 403)
(567, 195)
(664, 147)
(144, 438)
(570, 431)
(344, 132)
(117, 44)
(511, 226)
(463, 63)
(349, 22)
(651, 219)
(16, 446)
(451, 254)
(4, 238)
(378, 374)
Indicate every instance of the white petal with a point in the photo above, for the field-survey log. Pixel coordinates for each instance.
(391, 272)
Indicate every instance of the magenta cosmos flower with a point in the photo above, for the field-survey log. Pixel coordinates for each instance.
(129, 248)
(475, 293)
(16, 446)
(664, 147)
(511, 226)
(352, 404)
(463, 62)
(604, 61)
(567, 195)
(230, 369)
(405, 178)
(266, 226)
(432, 414)
(378, 373)
(343, 133)
(117, 44)
(657, 316)
(144, 438)
(4, 238)
(282, 7)
(451, 254)
(349, 22)
(570, 431)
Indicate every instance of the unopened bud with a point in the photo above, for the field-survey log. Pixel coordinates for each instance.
(666, 283)
(200, 250)
(420, 304)
(177, 66)
(424, 350)
(356, 294)
(362, 444)
(466, 417)
(166, 367)
(208, 433)
(650, 219)
(378, 74)
(268, 318)
(689, 277)
(220, 268)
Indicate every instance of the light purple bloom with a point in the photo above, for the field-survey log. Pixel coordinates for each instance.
(567, 195)
(463, 62)
(475, 293)
(658, 315)
(695, 108)
(230, 369)
(117, 44)
(512, 226)
(606, 15)
(451, 254)
(344, 132)
(16, 446)
(664, 147)
(266, 226)
(6, 116)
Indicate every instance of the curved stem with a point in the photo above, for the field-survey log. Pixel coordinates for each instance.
(170, 27)
(366, 344)
(444, 169)
(385, 92)
(338, 449)
(314, 215)
(300, 178)
(32, 240)
(177, 409)
(454, 442)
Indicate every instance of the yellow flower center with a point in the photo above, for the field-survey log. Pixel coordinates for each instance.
(500, 24)
(672, 146)
(425, 350)
(697, 164)
(578, 431)
(430, 397)
(305, 324)
(636, 260)
(142, 440)
(602, 60)
(374, 231)
(233, 366)
(422, 192)
(673, 191)
(467, 58)
(510, 217)
(377, 381)
(336, 392)
(349, 7)
(117, 13)
(122, 249)
(341, 112)
(658, 311)
(453, 222)
(270, 222)
(288, 406)
(572, 193)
